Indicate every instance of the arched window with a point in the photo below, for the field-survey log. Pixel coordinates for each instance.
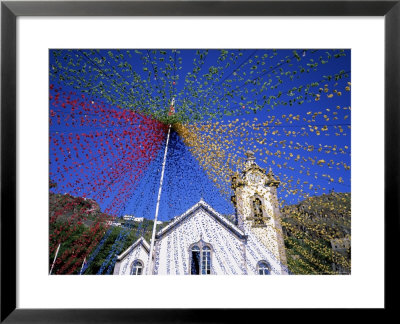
(200, 259)
(263, 268)
(137, 268)
(206, 261)
(258, 212)
(195, 264)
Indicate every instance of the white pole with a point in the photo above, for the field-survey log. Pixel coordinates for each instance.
(55, 257)
(83, 263)
(150, 261)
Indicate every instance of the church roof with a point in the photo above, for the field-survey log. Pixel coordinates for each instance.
(177, 220)
(202, 205)
(141, 241)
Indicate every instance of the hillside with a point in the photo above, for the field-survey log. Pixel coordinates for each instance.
(85, 232)
(116, 240)
(317, 234)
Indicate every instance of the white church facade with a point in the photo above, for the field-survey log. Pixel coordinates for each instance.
(203, 242)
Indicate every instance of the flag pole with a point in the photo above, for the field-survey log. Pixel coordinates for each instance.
(149, 270)
(150, 261)
(83, 263)
(55, 257)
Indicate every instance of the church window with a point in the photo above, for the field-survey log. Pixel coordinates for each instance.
(200, 263)
(206, 261)
(137, 268)
(195, 264)
(263, 268)
(258, 212)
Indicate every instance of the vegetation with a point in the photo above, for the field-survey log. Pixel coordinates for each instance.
(84, 233)
(114, 245)
(317, 234)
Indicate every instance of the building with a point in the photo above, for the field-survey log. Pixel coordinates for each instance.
(133, 218)
(111, 223)
(203, 242)
(341, 248)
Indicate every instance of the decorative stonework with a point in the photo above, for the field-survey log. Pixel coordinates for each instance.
(256, 202)
(272, 181)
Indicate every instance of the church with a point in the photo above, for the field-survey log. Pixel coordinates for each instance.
(203, 242)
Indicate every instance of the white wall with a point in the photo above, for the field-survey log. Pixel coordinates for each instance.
(173, 256)
(230, 254)
(256, 250)
(139, 253)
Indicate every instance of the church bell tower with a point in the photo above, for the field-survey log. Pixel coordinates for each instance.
(257, 208)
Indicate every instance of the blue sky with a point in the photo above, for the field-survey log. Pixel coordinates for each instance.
(202, 99)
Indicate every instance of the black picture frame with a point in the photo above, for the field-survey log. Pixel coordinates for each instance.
(10, 10)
